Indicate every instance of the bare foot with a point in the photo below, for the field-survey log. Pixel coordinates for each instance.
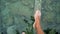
(37, 17)
(37, 24)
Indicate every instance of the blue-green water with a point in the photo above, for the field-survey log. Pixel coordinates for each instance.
(14, 11)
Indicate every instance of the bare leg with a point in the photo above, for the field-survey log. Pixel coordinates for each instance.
(36, 24)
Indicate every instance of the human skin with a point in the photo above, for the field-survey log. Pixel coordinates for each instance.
(37, 25)
(23, 32)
